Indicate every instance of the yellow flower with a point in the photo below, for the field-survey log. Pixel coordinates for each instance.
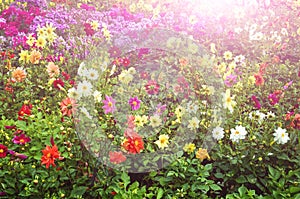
(222, 67)
(189, 148)
(213, 48)
(193, 19)
(202, 154)
(24, 56)
(49, 29)
(95, 25)
(41, 31)
(251, 80)
(298, 31)
(162, 141)
(41, 42)
(227, 55)
(179, 111)
(30, 40)
(228, 100)
(193, 123)
(132, 7)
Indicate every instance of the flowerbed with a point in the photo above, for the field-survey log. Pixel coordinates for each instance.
(149, 99)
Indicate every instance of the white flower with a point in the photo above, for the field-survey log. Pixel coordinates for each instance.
(194, 123)
(270, 114)
(82, 70)
(218, 133)
(192, 107)
(257, 115)
(86, 113)
(239, 133)
(228, 100)
(85, 88)
(131, 71)
(73, 93)
(125, 77)
(97, 96)
(155, 121)
(280, 136)
(92, 74)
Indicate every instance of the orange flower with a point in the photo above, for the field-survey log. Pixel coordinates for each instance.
(202, 154)
(50, 154)
(67, 106)
(19, 74)
(35, 57)
(52, 69)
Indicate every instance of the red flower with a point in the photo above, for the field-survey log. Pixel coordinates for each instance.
(21, 139)
(66, 76)
(126, 62)
(296, 122)
(116, 157)
(259, 80)
(88, 29)
(68, 106)
(3, 151)
(50, 154)
(58, 84)
(133, 144)
(152, 87)
(25, 110)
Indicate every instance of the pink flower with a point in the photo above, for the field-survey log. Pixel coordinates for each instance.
(116, 157)
(68, 106)
(21, 139)
(109, 105)
(160, 109)
(152, 87)
(230, 80)
(125, 62)
(134, 103)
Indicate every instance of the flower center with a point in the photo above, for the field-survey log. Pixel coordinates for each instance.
(110, 104)
(48, 155)
(134, 103)
(228, 100)
(1, 151)
(237, 132)
(282, 135)
(22, 140)
(136, 143)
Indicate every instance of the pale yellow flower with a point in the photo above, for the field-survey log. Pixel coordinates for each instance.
(163, 141)
(227, 55)
(24, 56)
(189, 148)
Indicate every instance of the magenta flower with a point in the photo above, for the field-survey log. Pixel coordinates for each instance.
(273, 98)
(256, 102)
(152, 87)
(18, 155)
(109, 105)
(135, 103)
(21, 139)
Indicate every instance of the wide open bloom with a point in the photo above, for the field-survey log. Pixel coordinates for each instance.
(133, 144)
(296, 122)
(68, 106)
(3, 151)
(202, 154)
(52, 70)
(116, 157)
(239, 133)
(135, 103)
(152, 87)
(19, 74)
(21, 139)
(50, 154)
(280, 136)
(163, 141)
(109, 105)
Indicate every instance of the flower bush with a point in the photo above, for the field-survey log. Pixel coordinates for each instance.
(149, 99)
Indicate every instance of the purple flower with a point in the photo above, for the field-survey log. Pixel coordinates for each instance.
(287, 85)
(109, 105)
(134, 103)
(230, 80)
(18, 155)
(160, 109)
(21, 139)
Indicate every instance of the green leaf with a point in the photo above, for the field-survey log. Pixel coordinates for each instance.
(219, 175)
(125, 178)
(241, 179)
(160, 193)
(242, 190)
(78, 191)
(294, 190)
(215, 187)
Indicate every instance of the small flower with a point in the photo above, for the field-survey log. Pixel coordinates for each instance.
(193, 123)
(239, 133)
(35, 57)
(125, 62)
(163, 141)
(84, 88)
(3, 151)
(68, 106)
(133, 144)
(280, 136)
(228, 100)
(257, 115)
(189, 148)
(21, 139)
(18, 155)
(92, 74)
(134, 103)
(155, 121)
(152, 87)
(73, 93)
(25, 110)
(296, 122)
(116, 157)
(259, 80)
(52, 69)
(227, 55)
(58, 84)
(97, 96)
(202, 154)
(109, 105)
(19, 74)
(256, 102)
(24, 56)
(50, 154)
(218, 133)
(230, 80)
(160, 109)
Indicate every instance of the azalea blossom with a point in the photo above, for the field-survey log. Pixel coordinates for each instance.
(218, 133)
(109, 105)
(280, 136)
(238, 133)
(163, 141)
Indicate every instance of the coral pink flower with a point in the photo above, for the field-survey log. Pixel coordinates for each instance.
(259, 80)
(50, 154)
(116, 157)
(68, 106)
(109, 105)
(52, 69)
(152, 87)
